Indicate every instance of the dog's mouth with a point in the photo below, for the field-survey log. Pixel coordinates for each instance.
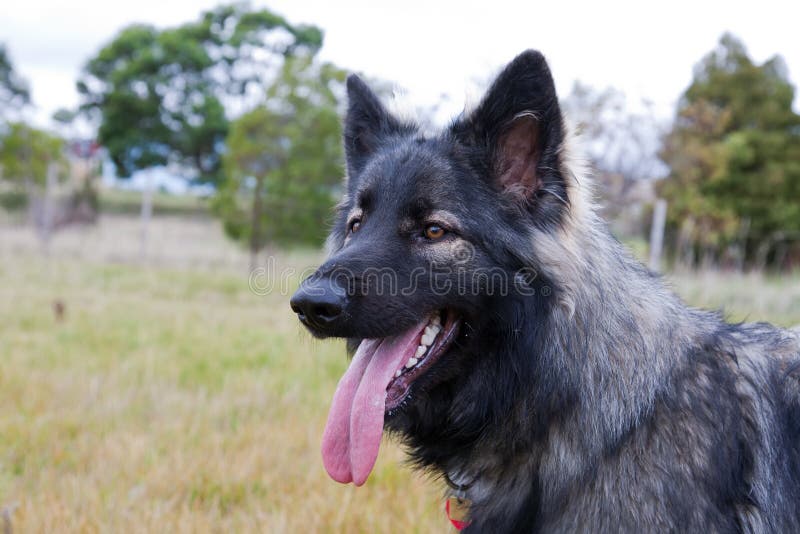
(434, 340)
(380, 377)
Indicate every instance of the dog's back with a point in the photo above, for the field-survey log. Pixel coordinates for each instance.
(768, 390)
(718, 452)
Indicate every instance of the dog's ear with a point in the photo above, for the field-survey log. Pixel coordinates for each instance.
(367, 125)
(519, 128)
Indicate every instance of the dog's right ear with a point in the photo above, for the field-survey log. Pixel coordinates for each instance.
(367, 125)
(517, 131)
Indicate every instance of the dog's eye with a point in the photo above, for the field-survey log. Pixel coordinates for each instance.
(355, 225)
(434, 232)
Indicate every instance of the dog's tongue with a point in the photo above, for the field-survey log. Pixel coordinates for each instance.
(353, 433)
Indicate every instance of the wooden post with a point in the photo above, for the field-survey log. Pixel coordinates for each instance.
(657, 233)
(255, 232)
(48, 206)
(146, 213)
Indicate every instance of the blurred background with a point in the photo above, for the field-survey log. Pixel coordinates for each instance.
(167, 174)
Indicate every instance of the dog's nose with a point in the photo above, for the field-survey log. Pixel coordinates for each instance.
(318, 302)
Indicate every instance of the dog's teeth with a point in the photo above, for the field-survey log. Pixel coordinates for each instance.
(398, 373)
(436, 320)
(420, 351)
(431, 331)
(428, 338)
(411, 363)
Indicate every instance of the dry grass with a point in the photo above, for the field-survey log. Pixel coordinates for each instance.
(743, 297)
(172, 398)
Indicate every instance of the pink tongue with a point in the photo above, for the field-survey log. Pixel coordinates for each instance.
(353, 433)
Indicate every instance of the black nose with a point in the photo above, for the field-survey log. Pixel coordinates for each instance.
(319, 302)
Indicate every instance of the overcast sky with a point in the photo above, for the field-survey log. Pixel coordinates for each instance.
(646, 49)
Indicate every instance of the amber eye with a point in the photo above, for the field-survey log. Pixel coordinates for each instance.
(434, 231)
(355, 225)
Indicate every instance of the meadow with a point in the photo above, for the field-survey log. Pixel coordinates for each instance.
(170, 397)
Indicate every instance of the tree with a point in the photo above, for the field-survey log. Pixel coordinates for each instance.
(622, 145)
(734, 159)
(284, 160)
(618, 140)
(32, 161)
(26, 152)
(159, 96)
(14, 91)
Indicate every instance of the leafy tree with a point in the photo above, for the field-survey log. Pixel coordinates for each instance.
(284, 160)
(734, 158)
(159, 96)
(14, 91)
(25, 153)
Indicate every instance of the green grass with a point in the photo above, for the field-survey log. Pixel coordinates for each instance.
(172, 398)
(743, 297)
(119, 201)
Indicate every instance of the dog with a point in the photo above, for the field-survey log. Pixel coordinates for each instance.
(521, 354)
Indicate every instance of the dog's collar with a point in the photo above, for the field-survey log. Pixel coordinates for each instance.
(458, 506)
(461, 489)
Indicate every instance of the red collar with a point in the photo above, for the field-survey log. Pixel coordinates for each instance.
(458, 512)
(458, 506)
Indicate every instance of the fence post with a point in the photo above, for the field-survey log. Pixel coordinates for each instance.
(146, 213)
(48, 206)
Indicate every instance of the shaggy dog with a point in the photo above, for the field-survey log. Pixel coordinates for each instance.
(519, 351)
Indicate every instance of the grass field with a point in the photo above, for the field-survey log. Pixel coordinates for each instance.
(172, 398)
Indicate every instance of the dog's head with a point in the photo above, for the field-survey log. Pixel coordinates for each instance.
(431, 231)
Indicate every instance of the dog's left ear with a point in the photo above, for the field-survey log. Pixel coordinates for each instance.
(519, 127)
